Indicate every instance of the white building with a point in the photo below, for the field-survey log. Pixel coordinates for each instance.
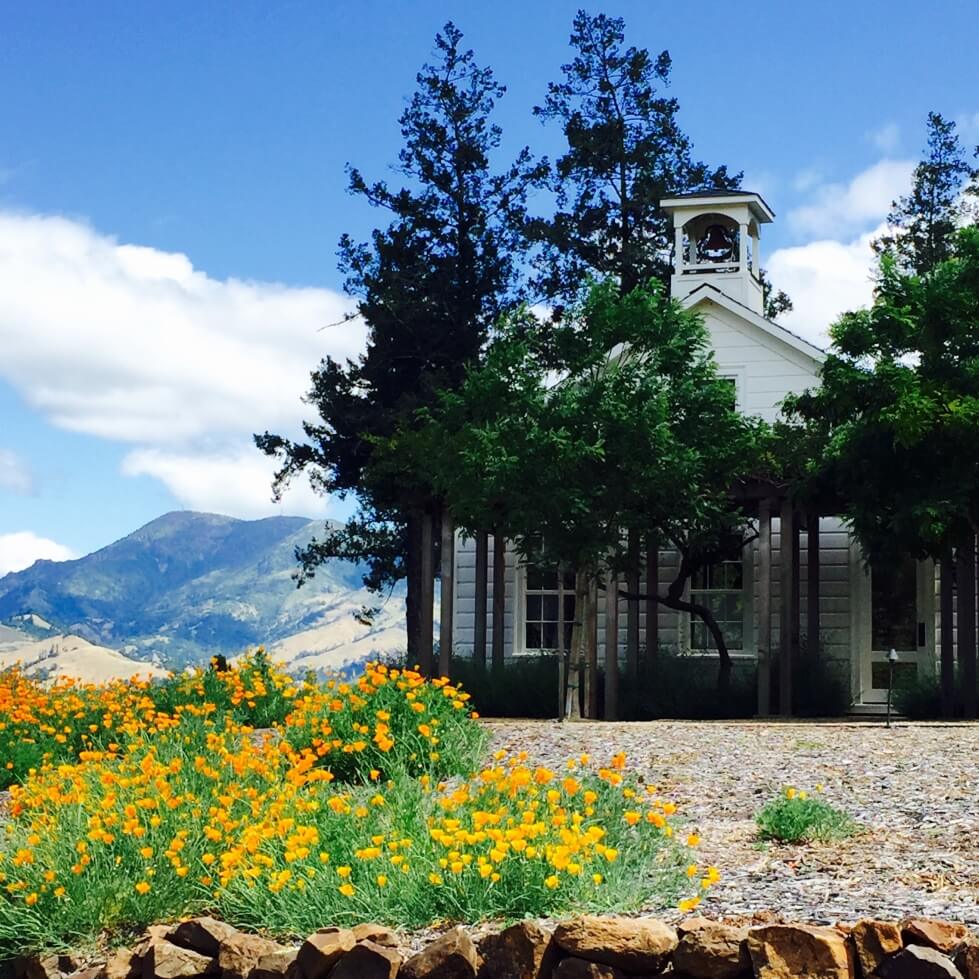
(859, 615)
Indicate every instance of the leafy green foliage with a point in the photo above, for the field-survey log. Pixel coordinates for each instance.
(796, 817)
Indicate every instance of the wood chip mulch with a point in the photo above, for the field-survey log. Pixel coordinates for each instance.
(914, 789)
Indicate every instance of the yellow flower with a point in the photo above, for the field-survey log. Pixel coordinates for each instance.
(435, 880)
(597, 878)
(688, 904)
(31, 898)
(693, 840)
(142, 887)
(790, 793)
(382, 880)
(343, 872)
(146, 852)
(552, 882)
(347, 890)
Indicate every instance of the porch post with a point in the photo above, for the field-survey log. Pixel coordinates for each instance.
(499, 598)
(479, 626)
(812, 584)
(787, 611)
(446, 622)
(764, 607)
(591, 661)
(652, 606)
(632, 610)
(427, 613)
(966, 611)
(611, 646)
(561, 654)
(947, 624)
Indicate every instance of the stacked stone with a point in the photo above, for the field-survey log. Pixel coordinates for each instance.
(587, 947)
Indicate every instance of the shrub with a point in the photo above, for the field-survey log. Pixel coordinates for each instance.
(527, 686)
(681, 685)
(796, 817)
(820, 687)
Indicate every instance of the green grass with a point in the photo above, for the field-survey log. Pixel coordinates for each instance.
(796, 817)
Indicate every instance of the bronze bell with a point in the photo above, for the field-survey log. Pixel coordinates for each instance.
(717, 243)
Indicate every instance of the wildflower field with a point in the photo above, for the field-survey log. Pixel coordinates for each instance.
(286, 805)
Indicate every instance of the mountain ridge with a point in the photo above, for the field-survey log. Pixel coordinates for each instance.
(188, 585)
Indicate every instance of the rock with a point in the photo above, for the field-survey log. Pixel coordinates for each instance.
(712, 950)
(92, 972)
(39, 967)
(451, 956)
(522, 951)
(276, 965)
(122, 963)
(873, 942)
(636, 945)
(572, 968)
(919, 962)
(164, 960)
(239, 953)
(942, 935)
(68, 964)
(322, 950)
(966, 960)
(787, 951)
(368, 960)
(378, 934)
(203, 934)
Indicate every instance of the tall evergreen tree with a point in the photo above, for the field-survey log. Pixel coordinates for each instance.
(625, 152)
(428, 287)
(923, 223)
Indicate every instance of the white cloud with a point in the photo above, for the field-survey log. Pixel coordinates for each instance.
(841, 209)
(14, 474)
(824, 278)
(968, 126)
(887, 138)
(132, 344)
(21, 549)
(236, 481)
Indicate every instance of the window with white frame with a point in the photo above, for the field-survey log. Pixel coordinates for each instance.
(719, 586)
(546, 591)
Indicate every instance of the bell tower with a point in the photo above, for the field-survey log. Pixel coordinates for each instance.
(717, 243)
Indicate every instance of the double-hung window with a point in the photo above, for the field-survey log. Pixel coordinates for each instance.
(719, 586)
(546, 592)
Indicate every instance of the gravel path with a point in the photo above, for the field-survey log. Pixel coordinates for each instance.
(914, 789)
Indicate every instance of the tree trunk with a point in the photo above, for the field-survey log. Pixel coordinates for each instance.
(572, 709)
(611, 647)
(446, 623)
(413, 599)
(591, 661)
(946, 619)
(479, 625)
(632, 614)
(966, 613)
(427, 596)
(499, 598)
(652, 607)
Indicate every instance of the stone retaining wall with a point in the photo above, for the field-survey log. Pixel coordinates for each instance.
(582, 948)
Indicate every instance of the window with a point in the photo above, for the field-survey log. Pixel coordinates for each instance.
(733, 383)
(545, 591)
(719, 586)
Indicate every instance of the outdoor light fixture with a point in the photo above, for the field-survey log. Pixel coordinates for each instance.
(891, 660)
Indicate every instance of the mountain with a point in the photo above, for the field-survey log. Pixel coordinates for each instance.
(190, 585)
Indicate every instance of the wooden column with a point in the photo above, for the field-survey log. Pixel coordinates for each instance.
(947, 622)
(812, 584)
(499, 598)
(787, 609)
(966, 615)
(591, 650)
(611, 647)
(632, 611)
(481, 591)
(652, 606)
(446, 623)
(764, 607)
(427, 598)
(796, 634)
(561, 651)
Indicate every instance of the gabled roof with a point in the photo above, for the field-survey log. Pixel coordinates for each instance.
(707, 291)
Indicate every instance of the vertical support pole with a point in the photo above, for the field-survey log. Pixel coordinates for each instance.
(481, 594)
(652, 606)
(812, 584)
(560, 645)
(966, 615)
(427, 611)
(947, 623)
(591, 648)
(796, 588)
(787, 610)
(743, 247)
(447, 610)
(632, 612)
(499, 598)
(679, 260)
(611, 646)
(764, 607)
(573, 697)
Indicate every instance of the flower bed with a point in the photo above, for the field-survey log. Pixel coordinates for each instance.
(363, 801)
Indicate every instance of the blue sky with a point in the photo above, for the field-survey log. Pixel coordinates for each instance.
(172, 189)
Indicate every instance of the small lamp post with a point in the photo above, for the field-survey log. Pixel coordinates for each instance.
(891, 660)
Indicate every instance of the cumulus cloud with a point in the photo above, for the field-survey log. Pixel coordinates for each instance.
(15, 476)
(824, 278)
(21, 549)
(135, 345)
(839, 209)
(236, 481)
(887, 138)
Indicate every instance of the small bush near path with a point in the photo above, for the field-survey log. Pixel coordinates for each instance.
(369, 801)
(797, 817)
